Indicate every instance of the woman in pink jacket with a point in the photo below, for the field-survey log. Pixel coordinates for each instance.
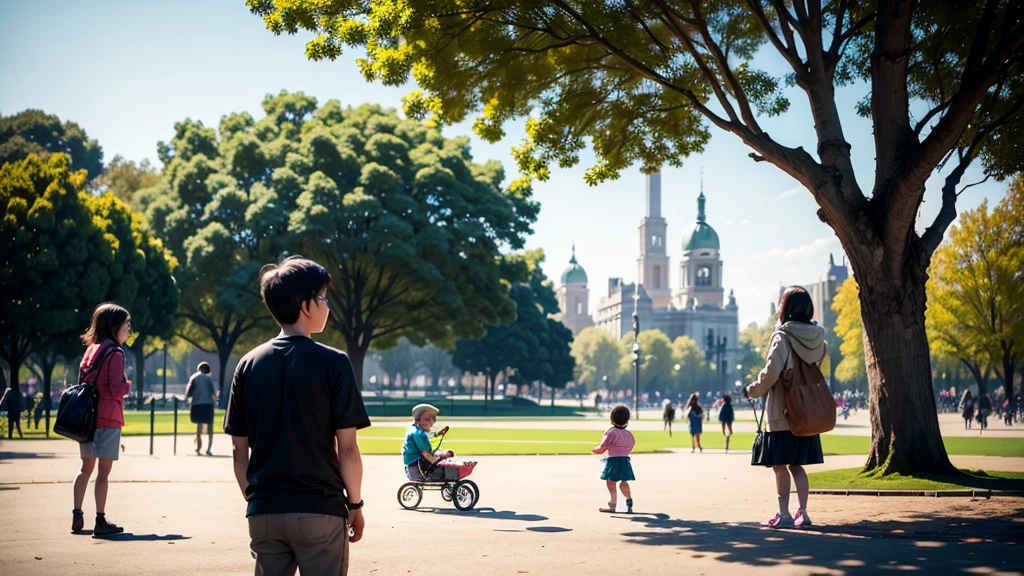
(103, 365)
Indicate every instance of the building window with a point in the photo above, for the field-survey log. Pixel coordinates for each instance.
(704, 276)
(657, 277)
(579, 307)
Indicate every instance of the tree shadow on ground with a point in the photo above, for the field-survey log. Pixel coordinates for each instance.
(489, 513)
(943, 544)
(25, 455)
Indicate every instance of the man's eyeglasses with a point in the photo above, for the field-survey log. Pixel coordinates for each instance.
(325, 301)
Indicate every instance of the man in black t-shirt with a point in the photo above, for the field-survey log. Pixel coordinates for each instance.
(293, 412)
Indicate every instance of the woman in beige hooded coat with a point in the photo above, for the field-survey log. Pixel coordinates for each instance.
(795, 334)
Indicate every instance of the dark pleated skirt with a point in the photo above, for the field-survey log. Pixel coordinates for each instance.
(783, 448)
(618, 469)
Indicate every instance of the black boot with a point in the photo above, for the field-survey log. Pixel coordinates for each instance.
(104, 528)
(77, 521)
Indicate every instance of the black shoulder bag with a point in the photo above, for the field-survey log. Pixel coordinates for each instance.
(76, 413)
(757, 451)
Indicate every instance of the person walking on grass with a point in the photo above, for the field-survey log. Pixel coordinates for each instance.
(967, 409)
(726, 416)
(203, 395)
(103, 366)
(668, 415)
(292, 414)
(695, 413)
(796, 335)
(618, 443)
(11, 402)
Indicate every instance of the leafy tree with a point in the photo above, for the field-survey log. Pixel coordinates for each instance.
(409, 227)
(57, 262)
(36, 132)
(399, 363)
(123, 178)
(979, 289)
(849, 329)
(754, 342)
(597, 357)
(656, 361)
(645, 81)
(140, 279)
(532, 348)
(693, 368)
(437, 363)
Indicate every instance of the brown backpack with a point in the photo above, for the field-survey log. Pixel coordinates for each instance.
(810, 408)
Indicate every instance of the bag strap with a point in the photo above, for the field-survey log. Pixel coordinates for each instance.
(760, 419)
(96, 364)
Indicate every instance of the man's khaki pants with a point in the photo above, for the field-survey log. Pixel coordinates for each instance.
(316, 544)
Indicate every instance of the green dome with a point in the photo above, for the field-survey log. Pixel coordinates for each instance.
(702, 235)
(574, 273)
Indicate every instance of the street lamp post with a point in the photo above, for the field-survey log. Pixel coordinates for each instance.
(636, 354)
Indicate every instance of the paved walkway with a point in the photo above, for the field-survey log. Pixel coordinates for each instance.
(696, 513)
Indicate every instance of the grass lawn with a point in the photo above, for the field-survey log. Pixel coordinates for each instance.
(484, 441)
(853, 478)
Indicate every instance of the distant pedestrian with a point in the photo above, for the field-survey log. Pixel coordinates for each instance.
(12, 403)
(668, 415)
(984, 409)
(967, 409)
(203, 394)
(796, 336)
(293, 412)
(618, 443)
(103, 366)
(38, 412)
(30, 405)
(695, 413)
(726, 416)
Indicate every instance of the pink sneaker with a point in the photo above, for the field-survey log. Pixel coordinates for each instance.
(802, 519)
(780, 521)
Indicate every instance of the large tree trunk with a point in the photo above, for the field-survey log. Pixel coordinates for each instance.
(905, 434)
(223, 356)
(1009, 367)
(357, 354)
(137, 348)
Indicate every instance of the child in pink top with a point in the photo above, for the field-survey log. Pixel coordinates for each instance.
(618, 443)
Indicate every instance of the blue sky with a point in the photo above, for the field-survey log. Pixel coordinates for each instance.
(126, 71)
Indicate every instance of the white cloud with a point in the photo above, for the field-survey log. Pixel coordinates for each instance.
(792, 192)
(729, 221)
(771, 228)
(745, 222)
(818, 248)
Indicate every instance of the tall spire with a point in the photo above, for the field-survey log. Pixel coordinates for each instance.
(701, 199)
(654, 195)
(573, 259)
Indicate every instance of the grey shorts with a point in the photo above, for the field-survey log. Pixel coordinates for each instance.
(106, 444)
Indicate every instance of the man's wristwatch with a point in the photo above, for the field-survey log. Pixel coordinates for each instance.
(355, 506)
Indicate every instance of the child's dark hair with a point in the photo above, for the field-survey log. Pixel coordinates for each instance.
(107, 319)
(204, 367)
(727, 398)
(285, 286)
(694, 403)
(620, 416)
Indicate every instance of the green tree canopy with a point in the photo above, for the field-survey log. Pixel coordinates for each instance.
(597, 357)
(409, 227)
(693, 367)
(36, 132)
(399, 362)
(123, 178)
(57, 262)
(643, 82)
(850, 331)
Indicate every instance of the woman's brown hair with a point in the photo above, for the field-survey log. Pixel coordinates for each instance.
(795, 305)
(107, 319)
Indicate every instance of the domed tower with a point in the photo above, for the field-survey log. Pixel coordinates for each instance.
(574, 297)
(700, 269)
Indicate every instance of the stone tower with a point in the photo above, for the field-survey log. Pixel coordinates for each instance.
(700, 268)
(574, 297)
(653, 263)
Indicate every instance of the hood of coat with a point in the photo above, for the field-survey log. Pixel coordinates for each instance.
(807, 340)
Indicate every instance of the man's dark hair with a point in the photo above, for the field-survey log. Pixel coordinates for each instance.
(620, 416)
(795, 305)
(285, 286)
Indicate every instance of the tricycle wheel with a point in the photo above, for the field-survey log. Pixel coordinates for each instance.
(410, 495)
(447, 492)
(466, 495)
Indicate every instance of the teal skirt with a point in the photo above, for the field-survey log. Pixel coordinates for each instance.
(617, 469)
